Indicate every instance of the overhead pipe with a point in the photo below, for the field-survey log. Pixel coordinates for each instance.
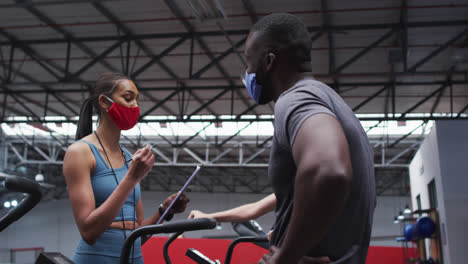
(166, 19)
(217, 87)
(186, 54)
(23, 4)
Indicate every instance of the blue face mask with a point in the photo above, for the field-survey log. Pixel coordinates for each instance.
(254, 89)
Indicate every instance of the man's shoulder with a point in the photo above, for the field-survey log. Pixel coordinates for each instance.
(303, 91)
(305, 88)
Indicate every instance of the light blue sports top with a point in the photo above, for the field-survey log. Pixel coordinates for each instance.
(111, 241)
(103, 183)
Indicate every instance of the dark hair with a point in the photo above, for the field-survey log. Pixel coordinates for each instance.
(105, 84)
(287, 33)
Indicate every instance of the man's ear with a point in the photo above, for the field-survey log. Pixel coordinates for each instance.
(270, 60)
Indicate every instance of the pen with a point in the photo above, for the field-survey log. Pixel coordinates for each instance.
(151, 149)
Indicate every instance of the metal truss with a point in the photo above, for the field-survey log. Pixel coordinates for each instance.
(230, 164)
(185, 119)
(244, 32)
(126, 39)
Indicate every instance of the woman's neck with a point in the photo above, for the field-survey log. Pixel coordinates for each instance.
(109, 134)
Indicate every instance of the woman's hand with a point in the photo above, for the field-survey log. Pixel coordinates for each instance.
(269, 234)
(142, 162)
(198, 214)
(179, 205)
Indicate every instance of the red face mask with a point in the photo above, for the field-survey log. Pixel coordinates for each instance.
(124, 117)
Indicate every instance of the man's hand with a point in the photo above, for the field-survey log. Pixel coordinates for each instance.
(179, 205)
(274, 258)
(270, 259)
(317, 260)
(197, 214)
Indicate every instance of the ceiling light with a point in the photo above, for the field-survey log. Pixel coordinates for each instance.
(14, 203)
(7, 204)
(396, 221)
(407, 210)
(401, 216)
(39, 177)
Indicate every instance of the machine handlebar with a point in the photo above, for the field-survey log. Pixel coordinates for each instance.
(23, 185)
(172, 227)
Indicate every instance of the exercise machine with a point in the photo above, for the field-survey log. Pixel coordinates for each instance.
(34, 195)
(179, 227)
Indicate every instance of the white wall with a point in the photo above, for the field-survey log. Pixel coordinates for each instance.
(51, 224)
(443, 157)
(453, 149)
(423, 169)
(383, 229)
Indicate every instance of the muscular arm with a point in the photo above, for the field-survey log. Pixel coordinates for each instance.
(322, 184)
(91, 221)
(243, 212)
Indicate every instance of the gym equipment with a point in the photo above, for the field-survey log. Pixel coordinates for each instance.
(32, 189)
(177, 227)
(251, 228)
(425, 227)
(22, 185)
(199, 258)
(249, 231)
(410, 232)
(33, 196)
(52, 258)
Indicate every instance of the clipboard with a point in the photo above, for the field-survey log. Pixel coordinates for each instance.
(178, 195)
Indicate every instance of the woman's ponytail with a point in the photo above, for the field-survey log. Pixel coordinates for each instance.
(85, 121)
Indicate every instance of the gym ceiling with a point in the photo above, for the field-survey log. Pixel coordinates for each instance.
(391, 61)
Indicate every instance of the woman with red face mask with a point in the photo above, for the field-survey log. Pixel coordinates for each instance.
(103, 185)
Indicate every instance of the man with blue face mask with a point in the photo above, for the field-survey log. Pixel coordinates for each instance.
(321, 163)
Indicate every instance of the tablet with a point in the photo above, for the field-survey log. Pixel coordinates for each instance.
(178, 195)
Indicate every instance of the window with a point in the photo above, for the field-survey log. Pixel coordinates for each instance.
(418, 202)
(431, 187)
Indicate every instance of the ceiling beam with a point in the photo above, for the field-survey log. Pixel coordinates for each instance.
(364, 51)
(434, 53)
(245, 32)
(220, 87)
(69, 37)
(22, 4)
(191, 29)
(155, 58)
(425, 99)
(33, 54)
